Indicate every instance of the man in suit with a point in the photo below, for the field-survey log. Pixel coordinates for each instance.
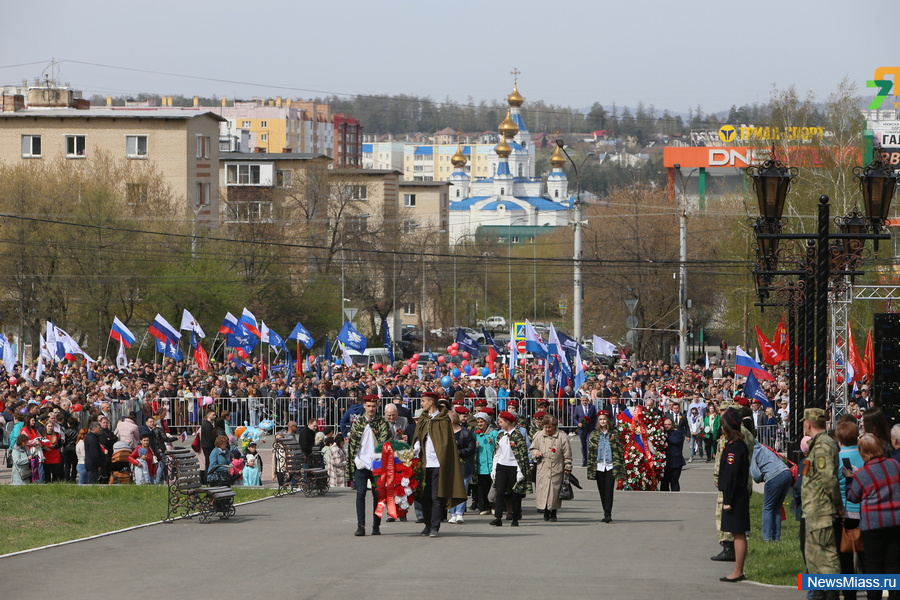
(679, 421)
(585, 417)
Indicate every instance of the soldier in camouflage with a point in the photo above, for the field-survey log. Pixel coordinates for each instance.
(820, 496)
(369, 431)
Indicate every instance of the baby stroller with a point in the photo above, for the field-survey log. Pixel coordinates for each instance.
(121, 468)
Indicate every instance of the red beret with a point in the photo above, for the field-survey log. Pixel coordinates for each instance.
(603, 412)
(540, 414)
(470, 395)
(488, 411)
(741, 401)
(543, 401)
(512, 403)
(481, 402)
(461, 410)
(370, 398)
(508, 416)
(458, 402)
(432, 395)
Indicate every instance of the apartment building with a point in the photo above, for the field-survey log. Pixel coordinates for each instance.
(54, 123)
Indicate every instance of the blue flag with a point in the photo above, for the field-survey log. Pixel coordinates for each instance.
(276, 340)
(754, 391)
(328, 355)
(288, 365)
(302, 335)
(489, 341)
(169, 349)
(466, 343)
(431, 356)
(351, 338)
(569, 344)
(242, 338)
(387, 342)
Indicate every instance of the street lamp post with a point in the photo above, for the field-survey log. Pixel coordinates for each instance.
(682, 269)
(578, 287)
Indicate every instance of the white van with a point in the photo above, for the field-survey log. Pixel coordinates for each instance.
(369, 356)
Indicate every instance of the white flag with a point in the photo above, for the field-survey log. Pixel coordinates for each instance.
(706, 366)
(601, 346)
(121, 359)
(263, 332)
(40, 369)
(348, 361)
(9, 358)
(189, 323)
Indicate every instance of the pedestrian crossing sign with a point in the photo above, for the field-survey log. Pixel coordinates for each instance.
(519, 331)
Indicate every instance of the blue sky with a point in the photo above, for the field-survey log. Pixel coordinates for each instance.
(672, 55)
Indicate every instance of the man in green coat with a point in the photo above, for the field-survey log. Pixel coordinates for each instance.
(442, 484)
(820, 496)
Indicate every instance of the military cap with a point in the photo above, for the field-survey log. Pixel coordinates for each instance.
(814, 414)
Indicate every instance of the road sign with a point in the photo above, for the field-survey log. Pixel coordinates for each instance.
(631, 336)
(350, 313)
(520, 347)
(631, 321)
(519, 333)
(631, 304)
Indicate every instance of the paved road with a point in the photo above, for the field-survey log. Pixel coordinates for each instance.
(658, 544)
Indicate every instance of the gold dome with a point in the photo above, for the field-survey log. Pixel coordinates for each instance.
(503, 149)
(459, 159)
(515, 98)
(508, 127)
(558, 159)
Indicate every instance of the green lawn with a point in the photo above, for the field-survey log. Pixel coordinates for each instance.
(37, 515)
(773, 562)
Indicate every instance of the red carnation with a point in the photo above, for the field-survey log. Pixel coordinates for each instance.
(552, 449)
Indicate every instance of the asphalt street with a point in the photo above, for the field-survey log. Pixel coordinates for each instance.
(658, 544)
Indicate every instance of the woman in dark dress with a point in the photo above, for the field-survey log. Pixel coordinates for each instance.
(734, 475)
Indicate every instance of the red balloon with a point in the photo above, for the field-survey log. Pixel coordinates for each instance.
(464, 363)
(415, 357)
(231, 356)
(77, 408)
(523, 362)
(376, 366)
(242, 353)
(455, 346)
(454, 352)
(449, 348)
(466, 354)
(404, 370)
(441, 359)
(312, 359)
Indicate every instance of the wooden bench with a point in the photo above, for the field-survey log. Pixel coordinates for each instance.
(300, 471)
(188, 495)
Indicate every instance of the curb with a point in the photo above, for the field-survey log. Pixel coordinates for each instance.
(107, 533)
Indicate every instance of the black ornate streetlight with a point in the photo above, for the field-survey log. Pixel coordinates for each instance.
(877, 182)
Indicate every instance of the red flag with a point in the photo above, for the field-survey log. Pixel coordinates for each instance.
(780, 339)
(201, 358)
(492, 356)
(869, 357)
(262, 371)
(770, 353)
(857, 369)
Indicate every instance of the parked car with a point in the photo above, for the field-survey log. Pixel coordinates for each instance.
(493, 323)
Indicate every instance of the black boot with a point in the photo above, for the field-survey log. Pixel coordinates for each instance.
(546, 514)
(553, 516)
(727, 553)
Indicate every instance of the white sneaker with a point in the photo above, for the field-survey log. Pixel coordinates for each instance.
(452, 519)
(460, 520)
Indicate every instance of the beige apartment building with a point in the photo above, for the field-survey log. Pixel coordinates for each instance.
(182, 144)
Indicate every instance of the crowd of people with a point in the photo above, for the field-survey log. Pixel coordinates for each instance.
(494, 440)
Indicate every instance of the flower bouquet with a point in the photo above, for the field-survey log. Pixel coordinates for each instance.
(396, 478)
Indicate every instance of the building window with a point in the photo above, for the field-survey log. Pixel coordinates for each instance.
(409, 200)
(263, 124)
(243, 174)
(356, 224)
(409, 309)
(76, 146)
(136, 193)
(264, 137)
(357, 192)
(202, 194)
(31, 146)
(250, 212)
(202, 146)
(136, 146)
(246, 124)
(515, 239)
(410, 227)
(283, 178)
(502, 191)
(457, 193)
(520, 169)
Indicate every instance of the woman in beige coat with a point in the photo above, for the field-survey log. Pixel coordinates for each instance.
(552, 455)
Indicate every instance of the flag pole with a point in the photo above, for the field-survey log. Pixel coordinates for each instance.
(143, 339)
(107, 347)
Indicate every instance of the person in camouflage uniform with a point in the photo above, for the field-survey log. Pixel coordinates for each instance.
(374, 430)
(820, 496)
(606, 480)
(725, 538)
(535, 426)
(510, 469)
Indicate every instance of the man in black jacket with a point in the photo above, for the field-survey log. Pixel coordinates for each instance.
(93, 453)
(306, 437)
(107, 440)
(207, 439)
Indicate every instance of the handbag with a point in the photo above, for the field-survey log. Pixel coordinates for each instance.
(195, 445)
(8, 459)
(565, 490)
(851, 540)
(492, 494)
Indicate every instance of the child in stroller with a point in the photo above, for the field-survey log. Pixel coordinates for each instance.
(120, 471)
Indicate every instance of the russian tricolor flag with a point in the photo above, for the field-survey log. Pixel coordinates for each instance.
(744, 365)
(161, 330)
(249, 321)
(229, 324)
(121, 333)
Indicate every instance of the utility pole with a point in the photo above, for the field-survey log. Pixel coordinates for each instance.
(682, 273)
(577, 286)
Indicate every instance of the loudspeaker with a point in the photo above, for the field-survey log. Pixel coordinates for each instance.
(886, 380)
